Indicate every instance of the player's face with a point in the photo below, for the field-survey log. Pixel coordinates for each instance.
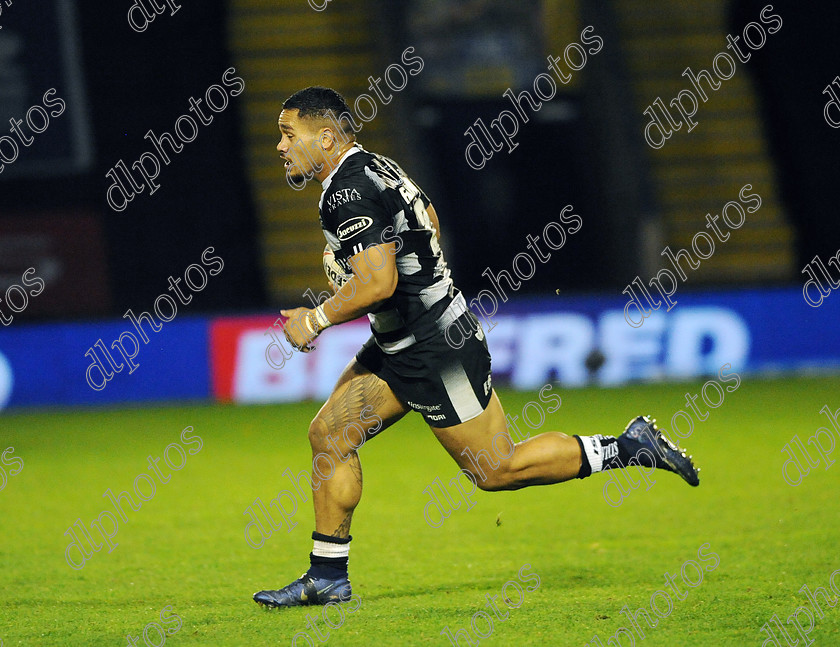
(296, 138)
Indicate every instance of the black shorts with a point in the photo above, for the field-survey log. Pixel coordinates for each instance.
(447, 385)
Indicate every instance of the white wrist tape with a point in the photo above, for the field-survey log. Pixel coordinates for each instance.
(308, 320)
(321, 317)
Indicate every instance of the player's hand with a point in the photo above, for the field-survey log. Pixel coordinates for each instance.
(296, 330)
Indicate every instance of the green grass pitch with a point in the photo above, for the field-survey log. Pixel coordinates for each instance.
(185, 547)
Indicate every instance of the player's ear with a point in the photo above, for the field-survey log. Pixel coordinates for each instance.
(329, 145)
(326, 138)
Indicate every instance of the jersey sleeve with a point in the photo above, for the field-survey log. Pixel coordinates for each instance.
(356, 216)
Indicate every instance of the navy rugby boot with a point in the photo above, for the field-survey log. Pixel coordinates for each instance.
(304, 591)
(642, 433)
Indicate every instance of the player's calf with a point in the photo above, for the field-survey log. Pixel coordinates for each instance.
(475, 468)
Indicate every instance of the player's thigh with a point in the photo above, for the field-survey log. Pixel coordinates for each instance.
(360, 406)
(481, 446)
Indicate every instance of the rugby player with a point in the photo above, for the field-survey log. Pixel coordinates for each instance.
(402, 283)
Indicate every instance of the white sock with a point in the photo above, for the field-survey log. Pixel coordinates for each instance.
(594, 451)
(329, 549)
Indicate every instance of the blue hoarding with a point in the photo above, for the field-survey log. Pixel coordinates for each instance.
(47, 364)
(532, 341)
(758, 331)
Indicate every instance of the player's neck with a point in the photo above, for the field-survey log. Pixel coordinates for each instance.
(328, 171)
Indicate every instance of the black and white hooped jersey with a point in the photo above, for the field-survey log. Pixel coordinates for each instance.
(369, 200)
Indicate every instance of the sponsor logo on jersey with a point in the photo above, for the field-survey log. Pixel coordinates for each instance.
(440, 417)
(342, 196)
(424, 407)
(353, 226)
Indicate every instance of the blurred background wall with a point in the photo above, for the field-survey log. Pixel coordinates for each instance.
(54, 213)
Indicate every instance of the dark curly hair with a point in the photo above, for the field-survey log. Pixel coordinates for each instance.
(318, 102)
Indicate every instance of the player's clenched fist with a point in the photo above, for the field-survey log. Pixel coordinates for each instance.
(300, 328)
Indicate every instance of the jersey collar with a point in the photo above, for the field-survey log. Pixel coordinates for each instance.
(351, 151)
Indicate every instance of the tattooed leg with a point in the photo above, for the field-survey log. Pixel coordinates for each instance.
(336, 433)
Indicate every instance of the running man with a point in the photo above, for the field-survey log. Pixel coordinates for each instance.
(384, 233)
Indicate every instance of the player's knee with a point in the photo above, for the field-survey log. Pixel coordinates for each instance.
(318, 434)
